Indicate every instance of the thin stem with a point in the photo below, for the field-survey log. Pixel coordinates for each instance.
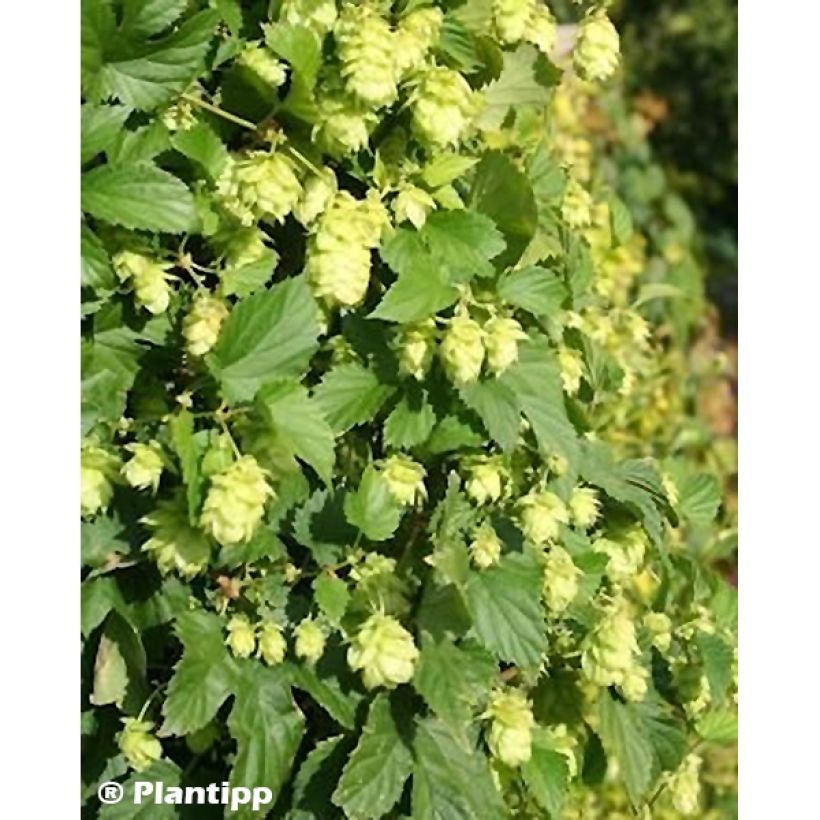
(220, 112)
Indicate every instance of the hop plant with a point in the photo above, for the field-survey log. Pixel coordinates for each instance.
(584, 507)
(272, 643)
(542, 30)
(416, 348)
(462, 349)
(259, 185)
(443, 108)
(486, 480)
(174, 544)
(542, 513)
(501, 338)
(310, 641)
(576, 207)
(365, 44)
(485, 548)
(338, 256)
(344, 123)
(416, 33)
(512, 18)
(660, 626)
(144, 468)
(597, 51)
(235, 502)
(319, 191)
(241, 636)
(561, 578)
(684, 785)
(510, 738)
(98, 471)
(384, 652)
(316, 15)
(404, 478)
(262, 62)
(138, 744)
(149, 279)
(202, 323)
(572, 369)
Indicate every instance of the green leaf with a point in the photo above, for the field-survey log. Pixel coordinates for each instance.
(140, 145)
(410, 423)
(119, 669)
(718, 727)
(418, 293)
(268, 337)
(98, 596)
(332, 596)
(535, 289)
(536, 381)
(445, 168)
(504, 193)
(620, 220)
(505, 602)
(523, 81)
(699, 494)
(298, 46)
(372, 508)
(149, 17)
(268, 729)
(350, 394)
(497, 406)
(317, 778)
(336, 698)
(190, 450)
(547, 778)
(161, 771)
(139, 196)
(100, 125)
(248, 279)
(299, 421)
(463, 242)
(201, 144)
(625, 737)
(97, 272)
(321, 526)
(149, 73)
(449, 781)
(717, 664)
(453, 680)
(204, 677)
(373, 779)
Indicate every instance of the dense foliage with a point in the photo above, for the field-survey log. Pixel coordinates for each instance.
(395, 498)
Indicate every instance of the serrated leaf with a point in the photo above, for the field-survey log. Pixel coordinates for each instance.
(201, 144)
(97, 272)
(547, 777)
(139, 196)
(267, 728)
(316, 779)
(372, 508)
(321, 526)
(204, 677)
(267, 337)
(717, 664)
(248, 279)
(332, 596)
(535, 289)
(625, 738)
(350, 394)
(699, 494)
(536, 381)
(410, 423)
(142, 144)
(149, 17)
(505, 602)
(298, 46)
(119, 669)
(463, 242)
(497, 406)
(189, 450)
(445, 168)
(504, 194)
(418, 293)
(98, 596)
(100, 126)
(620, 221)
(373, 778)
(452, 680)
(146, 74)
(450, 782)
(298, 419)
(718, 727)
(338, 700)
(523, 81)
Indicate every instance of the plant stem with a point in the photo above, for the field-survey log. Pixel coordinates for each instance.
(220, 112)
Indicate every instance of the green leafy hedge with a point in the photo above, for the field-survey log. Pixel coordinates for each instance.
(369, 334)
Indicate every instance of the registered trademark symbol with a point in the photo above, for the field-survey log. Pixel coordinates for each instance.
(110, 792)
